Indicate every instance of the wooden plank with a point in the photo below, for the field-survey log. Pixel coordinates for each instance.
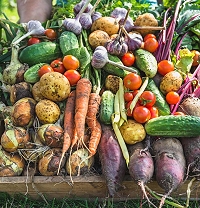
(89, 187)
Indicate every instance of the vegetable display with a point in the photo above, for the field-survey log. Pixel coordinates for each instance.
(104, 89)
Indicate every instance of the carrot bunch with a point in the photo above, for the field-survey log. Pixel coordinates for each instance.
(80, 112)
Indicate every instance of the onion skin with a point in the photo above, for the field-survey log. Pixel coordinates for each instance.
(23, 112)
(10, 165)
(49, 163)
(15, 138)
(51, 135)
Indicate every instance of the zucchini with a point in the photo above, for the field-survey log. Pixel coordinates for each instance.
(173, 126)
(43, 52)
(106, 107)
(146, 62)
(68, 41)
(109, 68)
(31, 74)
(161, 104)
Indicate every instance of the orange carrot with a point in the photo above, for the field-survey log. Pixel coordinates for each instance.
(83, 90)
(93, 124)
(68, 124)
(95, 139)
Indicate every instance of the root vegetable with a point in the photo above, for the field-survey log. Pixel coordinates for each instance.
(107, 24)
(23, 112)
(112, 161)
(51, 135)
(112, 83)
(54, 86)
(48, 164)
(10, 165)
(37, 95)
(15, 138)
(172, 81)
(132, 131)
(141, 165)
(79, 161)
(47, 111)
(98, 38)
(170, 165)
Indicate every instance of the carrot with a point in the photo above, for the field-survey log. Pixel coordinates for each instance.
(83, 90)
(93, 108)
(93, 124)
(68, 124)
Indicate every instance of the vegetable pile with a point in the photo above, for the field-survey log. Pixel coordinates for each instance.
(105, 89)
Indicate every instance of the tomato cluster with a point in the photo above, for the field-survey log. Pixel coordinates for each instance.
(150, 43)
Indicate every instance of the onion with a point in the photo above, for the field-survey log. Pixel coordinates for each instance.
(51, 135)
(15, 138)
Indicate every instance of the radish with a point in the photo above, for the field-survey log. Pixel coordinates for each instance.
(112, 161)
(170, 165)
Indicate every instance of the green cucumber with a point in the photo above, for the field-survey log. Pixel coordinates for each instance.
(68, 41)
(106, 107)
(174, 126)
(146, 62)
(31, 74)
(43, 52)
(161, 104)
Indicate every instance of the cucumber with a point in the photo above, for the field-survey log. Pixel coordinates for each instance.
(161, 104)
(43, 52)
(109, 68)
(106, 107)
(146, 62)
(31, 74)
(173, 126)
(68, 41)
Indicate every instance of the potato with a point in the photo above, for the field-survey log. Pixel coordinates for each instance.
(54, 86)
(132, 131)
(112, 83)
(172, 81)
(107, 24)
(37, 95)
(146, 19)
(47, 111)
(98, 38)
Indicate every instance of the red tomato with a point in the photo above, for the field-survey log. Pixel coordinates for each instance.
(132, 81)
(178, 113)
(33, 40)
(196, 58)
(149, 36)
(151, 45)
(128, 59)
(135, 92)
(147, 98)
(70, 62)
(165, 66)
(172, 98)
(128, 110)
(45, 69)
(58, 66)
(50, 33)
(154, 111)
(141, 114)
(128, 96)
(73, 76)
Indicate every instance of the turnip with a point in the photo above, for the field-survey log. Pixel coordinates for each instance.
(170, 165)
(141, 165)
(112, 161)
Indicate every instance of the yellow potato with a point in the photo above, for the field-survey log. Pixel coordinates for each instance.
(172, 81)
(132, 131)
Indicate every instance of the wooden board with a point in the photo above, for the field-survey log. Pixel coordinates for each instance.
(89, 187)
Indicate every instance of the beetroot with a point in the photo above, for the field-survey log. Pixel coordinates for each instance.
(191, 148)
(170, 165)
(141, 165)
(112, 161)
